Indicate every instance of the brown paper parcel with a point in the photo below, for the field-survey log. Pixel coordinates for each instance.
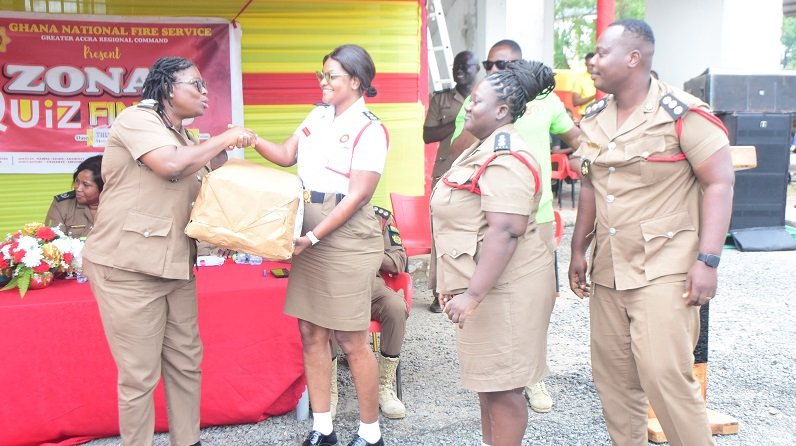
(247, 207)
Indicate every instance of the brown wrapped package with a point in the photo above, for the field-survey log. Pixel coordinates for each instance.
(249, 208)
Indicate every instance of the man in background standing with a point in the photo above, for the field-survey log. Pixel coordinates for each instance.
(583, 91)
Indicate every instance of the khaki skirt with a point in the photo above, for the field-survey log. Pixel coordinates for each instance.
(331, 283)
(503, 344)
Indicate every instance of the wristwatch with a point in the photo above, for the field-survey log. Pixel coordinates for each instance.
(711, 260)
(314, 240)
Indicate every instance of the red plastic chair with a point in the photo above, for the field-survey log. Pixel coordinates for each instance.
(560, 164)
(413, 219)
(398, 282)
(559, 222)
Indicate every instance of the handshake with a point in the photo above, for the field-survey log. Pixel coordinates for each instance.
(239, 137)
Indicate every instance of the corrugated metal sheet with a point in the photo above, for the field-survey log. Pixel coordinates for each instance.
(278, 37)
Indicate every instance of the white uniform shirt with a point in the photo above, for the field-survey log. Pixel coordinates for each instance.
(328, 144)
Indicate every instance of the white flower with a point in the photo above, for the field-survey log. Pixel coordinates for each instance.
(33, 257)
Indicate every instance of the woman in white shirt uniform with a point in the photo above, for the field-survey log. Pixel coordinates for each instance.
(340, 149)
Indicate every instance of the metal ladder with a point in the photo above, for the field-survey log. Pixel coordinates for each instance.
(441, 77)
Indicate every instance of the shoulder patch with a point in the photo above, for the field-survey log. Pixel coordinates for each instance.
(395, 236)
(65, 196)
(596, 107)
(502, 141)
(675, 107)
(321, 104)
(370, 115)
(381, 212)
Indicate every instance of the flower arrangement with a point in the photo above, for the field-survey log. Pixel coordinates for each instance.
(33, 256)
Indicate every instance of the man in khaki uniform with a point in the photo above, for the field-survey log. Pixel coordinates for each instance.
(388, 307)
(443, 108)
(655, 201)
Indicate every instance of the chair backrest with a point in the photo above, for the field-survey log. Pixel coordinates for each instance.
(398, 282)
(574, 171)
(559, 222)
(413, 219)
(560, 163)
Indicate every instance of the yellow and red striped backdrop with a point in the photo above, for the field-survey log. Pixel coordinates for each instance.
(283, 44)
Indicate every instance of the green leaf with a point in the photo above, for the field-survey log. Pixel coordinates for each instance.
(24, 281)
(11, 284)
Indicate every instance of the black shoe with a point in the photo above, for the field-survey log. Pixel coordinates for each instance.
(434, 307)
(359, 441)
(316, 438)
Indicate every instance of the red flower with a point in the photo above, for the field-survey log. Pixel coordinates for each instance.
(42, 267)
(45, 234)
(4, 263)
(17, 253)
(68, 258)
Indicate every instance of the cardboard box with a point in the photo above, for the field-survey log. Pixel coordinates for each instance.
(249, 208)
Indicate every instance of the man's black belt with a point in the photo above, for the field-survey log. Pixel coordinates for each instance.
(318, 197)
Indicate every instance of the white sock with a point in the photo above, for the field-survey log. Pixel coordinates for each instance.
(322, 422)
(369, 432)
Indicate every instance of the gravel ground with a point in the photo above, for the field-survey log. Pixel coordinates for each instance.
(752, 364)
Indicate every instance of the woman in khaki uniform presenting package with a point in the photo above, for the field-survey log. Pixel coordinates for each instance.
(138, 259)
(489, 253)
(340, 149)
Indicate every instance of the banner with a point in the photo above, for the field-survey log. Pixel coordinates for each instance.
(63, 81)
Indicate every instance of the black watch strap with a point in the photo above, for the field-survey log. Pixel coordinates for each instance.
(711, 260)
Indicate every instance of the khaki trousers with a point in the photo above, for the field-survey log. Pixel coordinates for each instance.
(389, 308)
(642, 344)
(151, 327)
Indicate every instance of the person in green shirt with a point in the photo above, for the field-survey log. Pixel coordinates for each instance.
(543, 116)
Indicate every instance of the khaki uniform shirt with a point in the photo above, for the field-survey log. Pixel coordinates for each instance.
(73, 218)
(458, 217)
(647, 201)
(442, 109)
(142, 217)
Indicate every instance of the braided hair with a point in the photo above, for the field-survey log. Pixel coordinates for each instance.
(521, 82)
(159, 83)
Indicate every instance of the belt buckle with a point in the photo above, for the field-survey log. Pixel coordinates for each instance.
(307, 195)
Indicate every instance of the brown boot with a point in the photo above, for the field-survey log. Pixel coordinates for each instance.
(389, 403)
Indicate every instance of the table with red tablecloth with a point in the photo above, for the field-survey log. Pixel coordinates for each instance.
(58, 379)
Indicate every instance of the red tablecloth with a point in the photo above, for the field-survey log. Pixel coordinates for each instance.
(58, 380)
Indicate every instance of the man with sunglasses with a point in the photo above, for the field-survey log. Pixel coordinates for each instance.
(543, 116)
(442, 111)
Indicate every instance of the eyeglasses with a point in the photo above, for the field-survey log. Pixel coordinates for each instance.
(500, 64)
(200, 84)
(320, 75)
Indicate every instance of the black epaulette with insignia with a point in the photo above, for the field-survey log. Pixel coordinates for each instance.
(595, 107)
(321, 104)
(66, 196)
(395, 236)
(381, 212)
(675, 107)
(502, 141)
(370, 115)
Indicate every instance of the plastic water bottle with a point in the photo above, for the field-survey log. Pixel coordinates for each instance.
(80, 277)
(241, 258)
(255, 260)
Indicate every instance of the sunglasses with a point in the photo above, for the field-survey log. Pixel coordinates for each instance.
(500, 64)
(320, 75)
(200, 84)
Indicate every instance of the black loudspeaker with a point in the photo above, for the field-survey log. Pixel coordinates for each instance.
(763, 93)
(760, 194)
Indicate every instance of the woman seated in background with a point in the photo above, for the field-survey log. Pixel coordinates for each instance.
(75, 210)
(494, 273)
